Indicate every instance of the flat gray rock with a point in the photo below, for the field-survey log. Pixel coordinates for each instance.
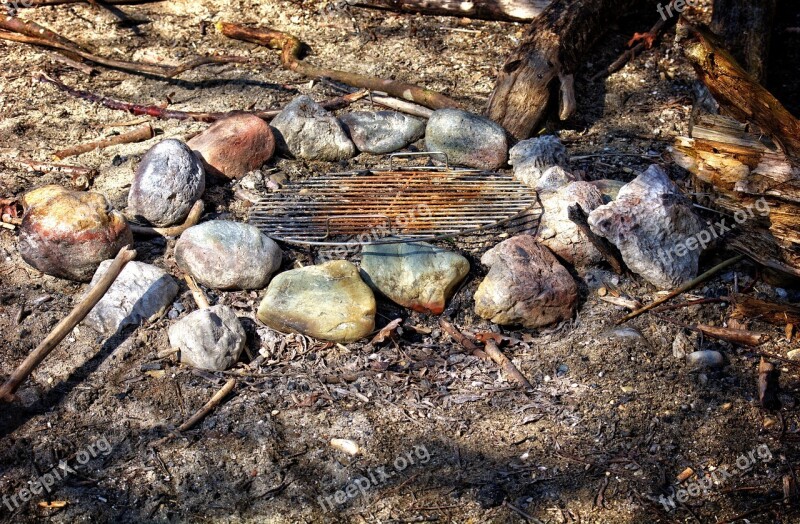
(328, 301)
(140, 293)
(467, 139)
(167, 183)
(559, 233)
(653, 225)
(533, 157)
(526, 285)
(222, 254)
(309, 132)
(415, 275)
(380, 132)
(210, 338)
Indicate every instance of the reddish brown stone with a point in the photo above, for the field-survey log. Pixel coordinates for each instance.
(68, 233)
(235, 145)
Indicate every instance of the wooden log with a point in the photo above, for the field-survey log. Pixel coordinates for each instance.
(743, 175)
(746, 161)
(744, 26)
(737, 91)
(553, 47)
(498, 10)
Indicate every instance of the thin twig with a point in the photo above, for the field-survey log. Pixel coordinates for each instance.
(209, 406)
(506, 365)
(166, 114)
(291, 48)
(16, 30)
(683, 288)
(197, 293)
(66, 325)
(138, 134)
(194, 217)
(630, 54)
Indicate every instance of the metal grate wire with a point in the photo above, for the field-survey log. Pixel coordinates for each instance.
(371, 207)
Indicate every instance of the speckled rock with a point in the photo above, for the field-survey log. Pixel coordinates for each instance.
(553, 179)
(222, 254)
(526, 285)
(559, 233)
(310, 132)
(380, 132)
(210, 338)
(235, 145)
(467, 139)
(68, 234)
(328, 301)
(652, 224)
(415, 275)
(532, 157)
(141, 292)
(168, 181)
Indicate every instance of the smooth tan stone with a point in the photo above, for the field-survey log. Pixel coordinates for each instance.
(328, 301)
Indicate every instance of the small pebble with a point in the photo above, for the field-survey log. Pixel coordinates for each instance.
(705, 358)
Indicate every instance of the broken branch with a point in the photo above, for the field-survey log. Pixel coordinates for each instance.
(291, 48)
(506, 365)
(209, 406)
(166, 114)
(138, 134)
(174, 231)
(64, 327)
(682, 289)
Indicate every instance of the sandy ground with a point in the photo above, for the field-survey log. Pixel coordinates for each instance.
(614, 418)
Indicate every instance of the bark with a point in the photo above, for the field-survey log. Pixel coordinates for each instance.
(744, 27)
(735, 162)
(553, 47)
(499, 10)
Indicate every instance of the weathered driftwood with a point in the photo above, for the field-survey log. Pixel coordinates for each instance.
(553, 47)
(500, 10)
(745, 27)
(734, 161)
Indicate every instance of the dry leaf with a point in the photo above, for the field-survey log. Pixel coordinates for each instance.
(386, 331)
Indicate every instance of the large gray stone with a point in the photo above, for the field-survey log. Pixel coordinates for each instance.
(228, 255)
(467, 139)
(415, 275)
(167, 183)
(526, 285)
(210, 338)
(652, 223)
(140, 293)
(380, 132)
(328, 301)
(310, 132)
(559, 233)
(533, 157)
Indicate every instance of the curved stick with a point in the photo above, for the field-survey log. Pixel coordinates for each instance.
(64, 327)
(291, 48)
(174, 231)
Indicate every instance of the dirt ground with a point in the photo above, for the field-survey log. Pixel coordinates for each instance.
(616, 413)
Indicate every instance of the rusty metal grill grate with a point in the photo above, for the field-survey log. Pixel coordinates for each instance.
(418, 203)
